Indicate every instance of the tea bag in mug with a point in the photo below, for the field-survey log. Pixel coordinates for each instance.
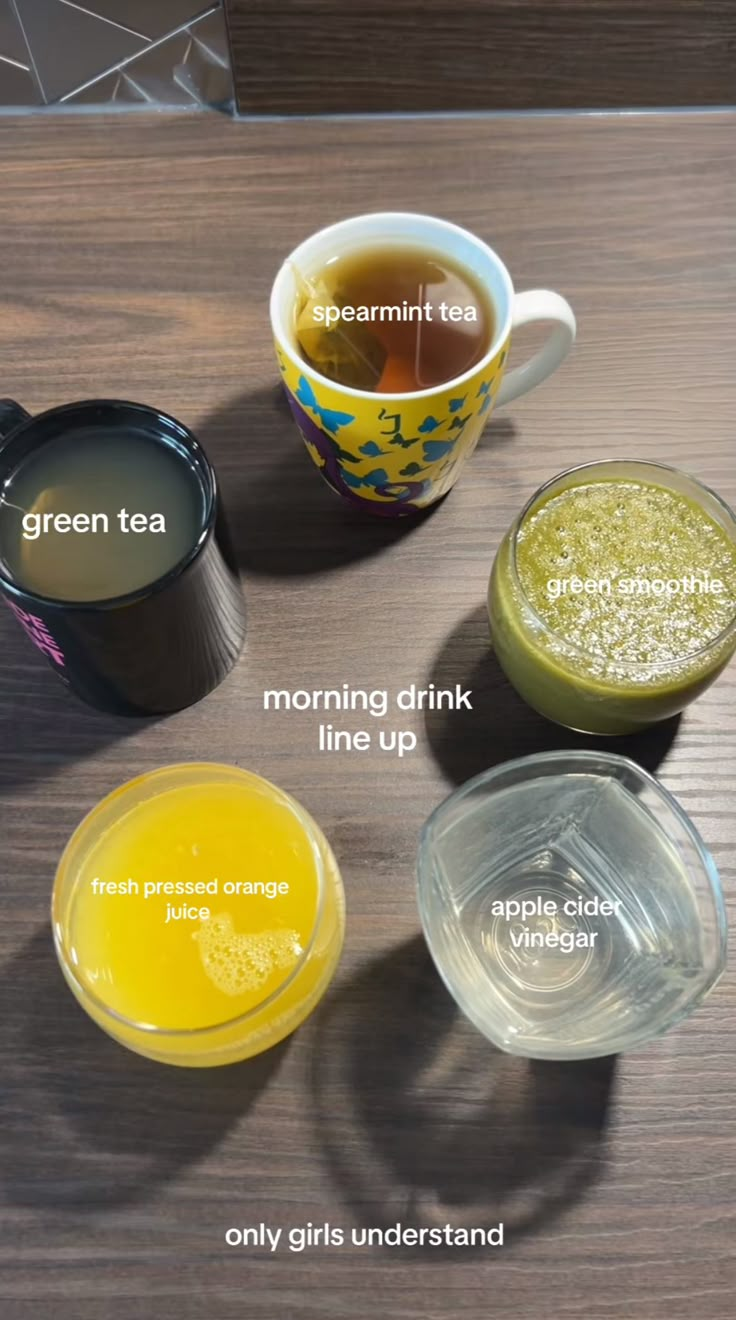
(349, 353)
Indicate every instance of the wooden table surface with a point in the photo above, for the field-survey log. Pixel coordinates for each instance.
(138, 255)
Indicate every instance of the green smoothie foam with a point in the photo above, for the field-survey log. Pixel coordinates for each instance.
(658, 574)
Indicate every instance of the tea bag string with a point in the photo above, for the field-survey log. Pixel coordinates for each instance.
(418, 341)
(10, 505)
(303, 279)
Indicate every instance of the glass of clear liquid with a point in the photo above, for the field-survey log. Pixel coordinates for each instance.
(570, 905)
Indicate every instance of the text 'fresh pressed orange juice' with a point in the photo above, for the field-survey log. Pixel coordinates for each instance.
(198, 914)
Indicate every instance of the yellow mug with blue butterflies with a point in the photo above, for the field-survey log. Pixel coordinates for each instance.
(397, 453)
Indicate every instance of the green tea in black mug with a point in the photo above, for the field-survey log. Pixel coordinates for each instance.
(96, 514)
(114, 556)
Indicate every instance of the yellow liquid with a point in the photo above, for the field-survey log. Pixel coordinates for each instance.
(198, 900)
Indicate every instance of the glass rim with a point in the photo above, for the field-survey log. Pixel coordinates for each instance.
(503, 314)
(312, 832)
(573, 647)
(567, 760)
(206, 480)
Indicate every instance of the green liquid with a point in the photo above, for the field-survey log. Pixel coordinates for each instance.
(620, 585)
(619, 536)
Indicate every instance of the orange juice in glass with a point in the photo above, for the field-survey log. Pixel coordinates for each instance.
(198, 914)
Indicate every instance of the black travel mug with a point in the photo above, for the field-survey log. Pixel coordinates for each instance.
(157, 649)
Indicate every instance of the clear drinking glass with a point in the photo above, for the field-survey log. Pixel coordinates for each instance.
(620, 930)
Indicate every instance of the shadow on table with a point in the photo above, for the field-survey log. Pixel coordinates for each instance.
(85, 1123)
(284, 519)
(423, 1121)
(501, 726)
(44, 728)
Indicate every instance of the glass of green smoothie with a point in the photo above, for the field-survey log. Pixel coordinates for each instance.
(612, 599)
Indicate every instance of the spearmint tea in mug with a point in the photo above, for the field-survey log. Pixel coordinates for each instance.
(95, 514)
(392, 334)
(392, 318)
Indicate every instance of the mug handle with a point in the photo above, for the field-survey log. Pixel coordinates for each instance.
(539, 305)
(11, 417)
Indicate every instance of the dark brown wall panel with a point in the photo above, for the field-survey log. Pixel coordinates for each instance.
(321, 56)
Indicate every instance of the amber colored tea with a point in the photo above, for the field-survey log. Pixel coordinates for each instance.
(392, 319)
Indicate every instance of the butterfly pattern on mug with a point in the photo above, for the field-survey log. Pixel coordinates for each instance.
(330, 418)
(398, 455)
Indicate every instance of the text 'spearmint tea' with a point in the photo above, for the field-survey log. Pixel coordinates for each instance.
(613, 598)
(198, 914)
(392, 317)
(94, 514)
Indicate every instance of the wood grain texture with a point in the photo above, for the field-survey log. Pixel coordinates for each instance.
(139, 255)
(376, 55)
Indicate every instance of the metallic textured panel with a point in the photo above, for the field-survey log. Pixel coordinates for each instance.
(152, 18)
(98, 52)
(127, 93)
(211, 34)
(113, 89)
(69, 46)
(12, 44)
(206, 71)
(101, 92)
(188, 68)
(205, 83)
(152, 74)
(17, 86)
